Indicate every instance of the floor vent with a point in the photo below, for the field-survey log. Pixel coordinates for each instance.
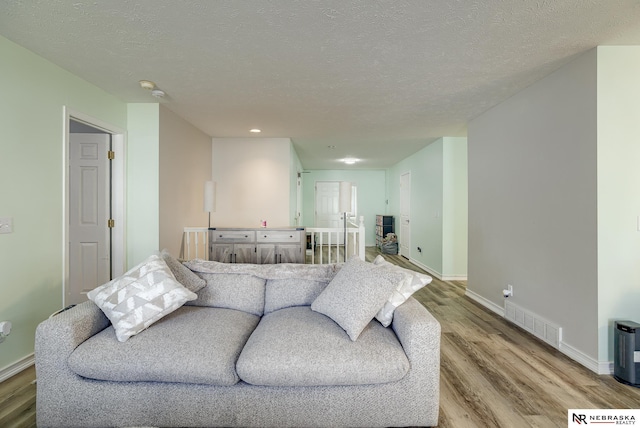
(534, 324)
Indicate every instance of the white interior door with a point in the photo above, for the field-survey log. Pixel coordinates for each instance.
(327, 206)
(89, 212)
(405, 215)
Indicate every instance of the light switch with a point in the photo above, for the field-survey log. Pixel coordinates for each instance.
(6, 224)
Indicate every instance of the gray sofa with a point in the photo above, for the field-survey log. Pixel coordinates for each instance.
(251, 350)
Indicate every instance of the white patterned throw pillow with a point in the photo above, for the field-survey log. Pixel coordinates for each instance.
(413, 282)
(140, 297)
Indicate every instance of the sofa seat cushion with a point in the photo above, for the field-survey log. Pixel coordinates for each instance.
(299, 347)
(191, 345)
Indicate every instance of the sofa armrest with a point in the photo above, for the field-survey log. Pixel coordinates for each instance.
(58, 336)
(419, 335)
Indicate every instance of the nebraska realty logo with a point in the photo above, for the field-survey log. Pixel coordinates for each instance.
(599, 417)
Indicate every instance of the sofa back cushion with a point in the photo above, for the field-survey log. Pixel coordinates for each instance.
(286, 293)
(232, 291)
(183, 274)
(257, 288)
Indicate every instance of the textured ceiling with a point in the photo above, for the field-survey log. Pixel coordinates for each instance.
(376, 79)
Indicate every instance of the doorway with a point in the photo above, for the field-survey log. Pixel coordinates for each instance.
(89, 211)
(327, 206)
(94, 205)
(405, 215)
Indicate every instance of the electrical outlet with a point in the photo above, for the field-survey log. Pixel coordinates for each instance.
(419, 249)
(6, 224)
(5, 330)
(508, 292)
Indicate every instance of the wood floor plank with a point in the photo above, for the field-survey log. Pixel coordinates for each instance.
(18, 400)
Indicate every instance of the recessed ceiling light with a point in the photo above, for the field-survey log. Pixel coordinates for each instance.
(255, 130)
(147, 84)
(332, 147)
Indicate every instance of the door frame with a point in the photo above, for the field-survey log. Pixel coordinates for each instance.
(405, 239)
(118, 180)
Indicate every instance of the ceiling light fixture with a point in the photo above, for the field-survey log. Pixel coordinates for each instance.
(151, 86)
(350, 161)
(255, 131)
(147, 84)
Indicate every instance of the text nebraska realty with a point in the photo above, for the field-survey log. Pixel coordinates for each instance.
(605, 419)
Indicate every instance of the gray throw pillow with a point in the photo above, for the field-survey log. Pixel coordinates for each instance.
(183, 274)
(354, 296)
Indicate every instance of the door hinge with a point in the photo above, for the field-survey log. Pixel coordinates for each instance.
(111, 223)
(111, 155)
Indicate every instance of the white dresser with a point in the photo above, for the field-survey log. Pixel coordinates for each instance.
(259, 245)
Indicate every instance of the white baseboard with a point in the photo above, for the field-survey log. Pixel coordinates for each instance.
(484, 302)
(454, 278)
(17, 367)
(437, 274)
(599, 367)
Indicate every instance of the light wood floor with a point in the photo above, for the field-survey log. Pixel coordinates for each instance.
(18, 400)
(493, 374)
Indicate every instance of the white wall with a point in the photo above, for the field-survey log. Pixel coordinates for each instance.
(185, 165)
(618, 190)
(532, 202)
(253, 181)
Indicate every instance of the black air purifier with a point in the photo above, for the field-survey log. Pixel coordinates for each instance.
(626, 342)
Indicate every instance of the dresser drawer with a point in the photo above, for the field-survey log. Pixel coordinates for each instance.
(280, 236)
(232, 236)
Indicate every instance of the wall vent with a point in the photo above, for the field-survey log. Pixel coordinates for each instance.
(534, 324)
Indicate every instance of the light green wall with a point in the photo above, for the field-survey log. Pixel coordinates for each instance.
(618, 190)
(425, 167)
(454, 207)
(143, 175)
(371, 195)
(33, 93)
(438, 205)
